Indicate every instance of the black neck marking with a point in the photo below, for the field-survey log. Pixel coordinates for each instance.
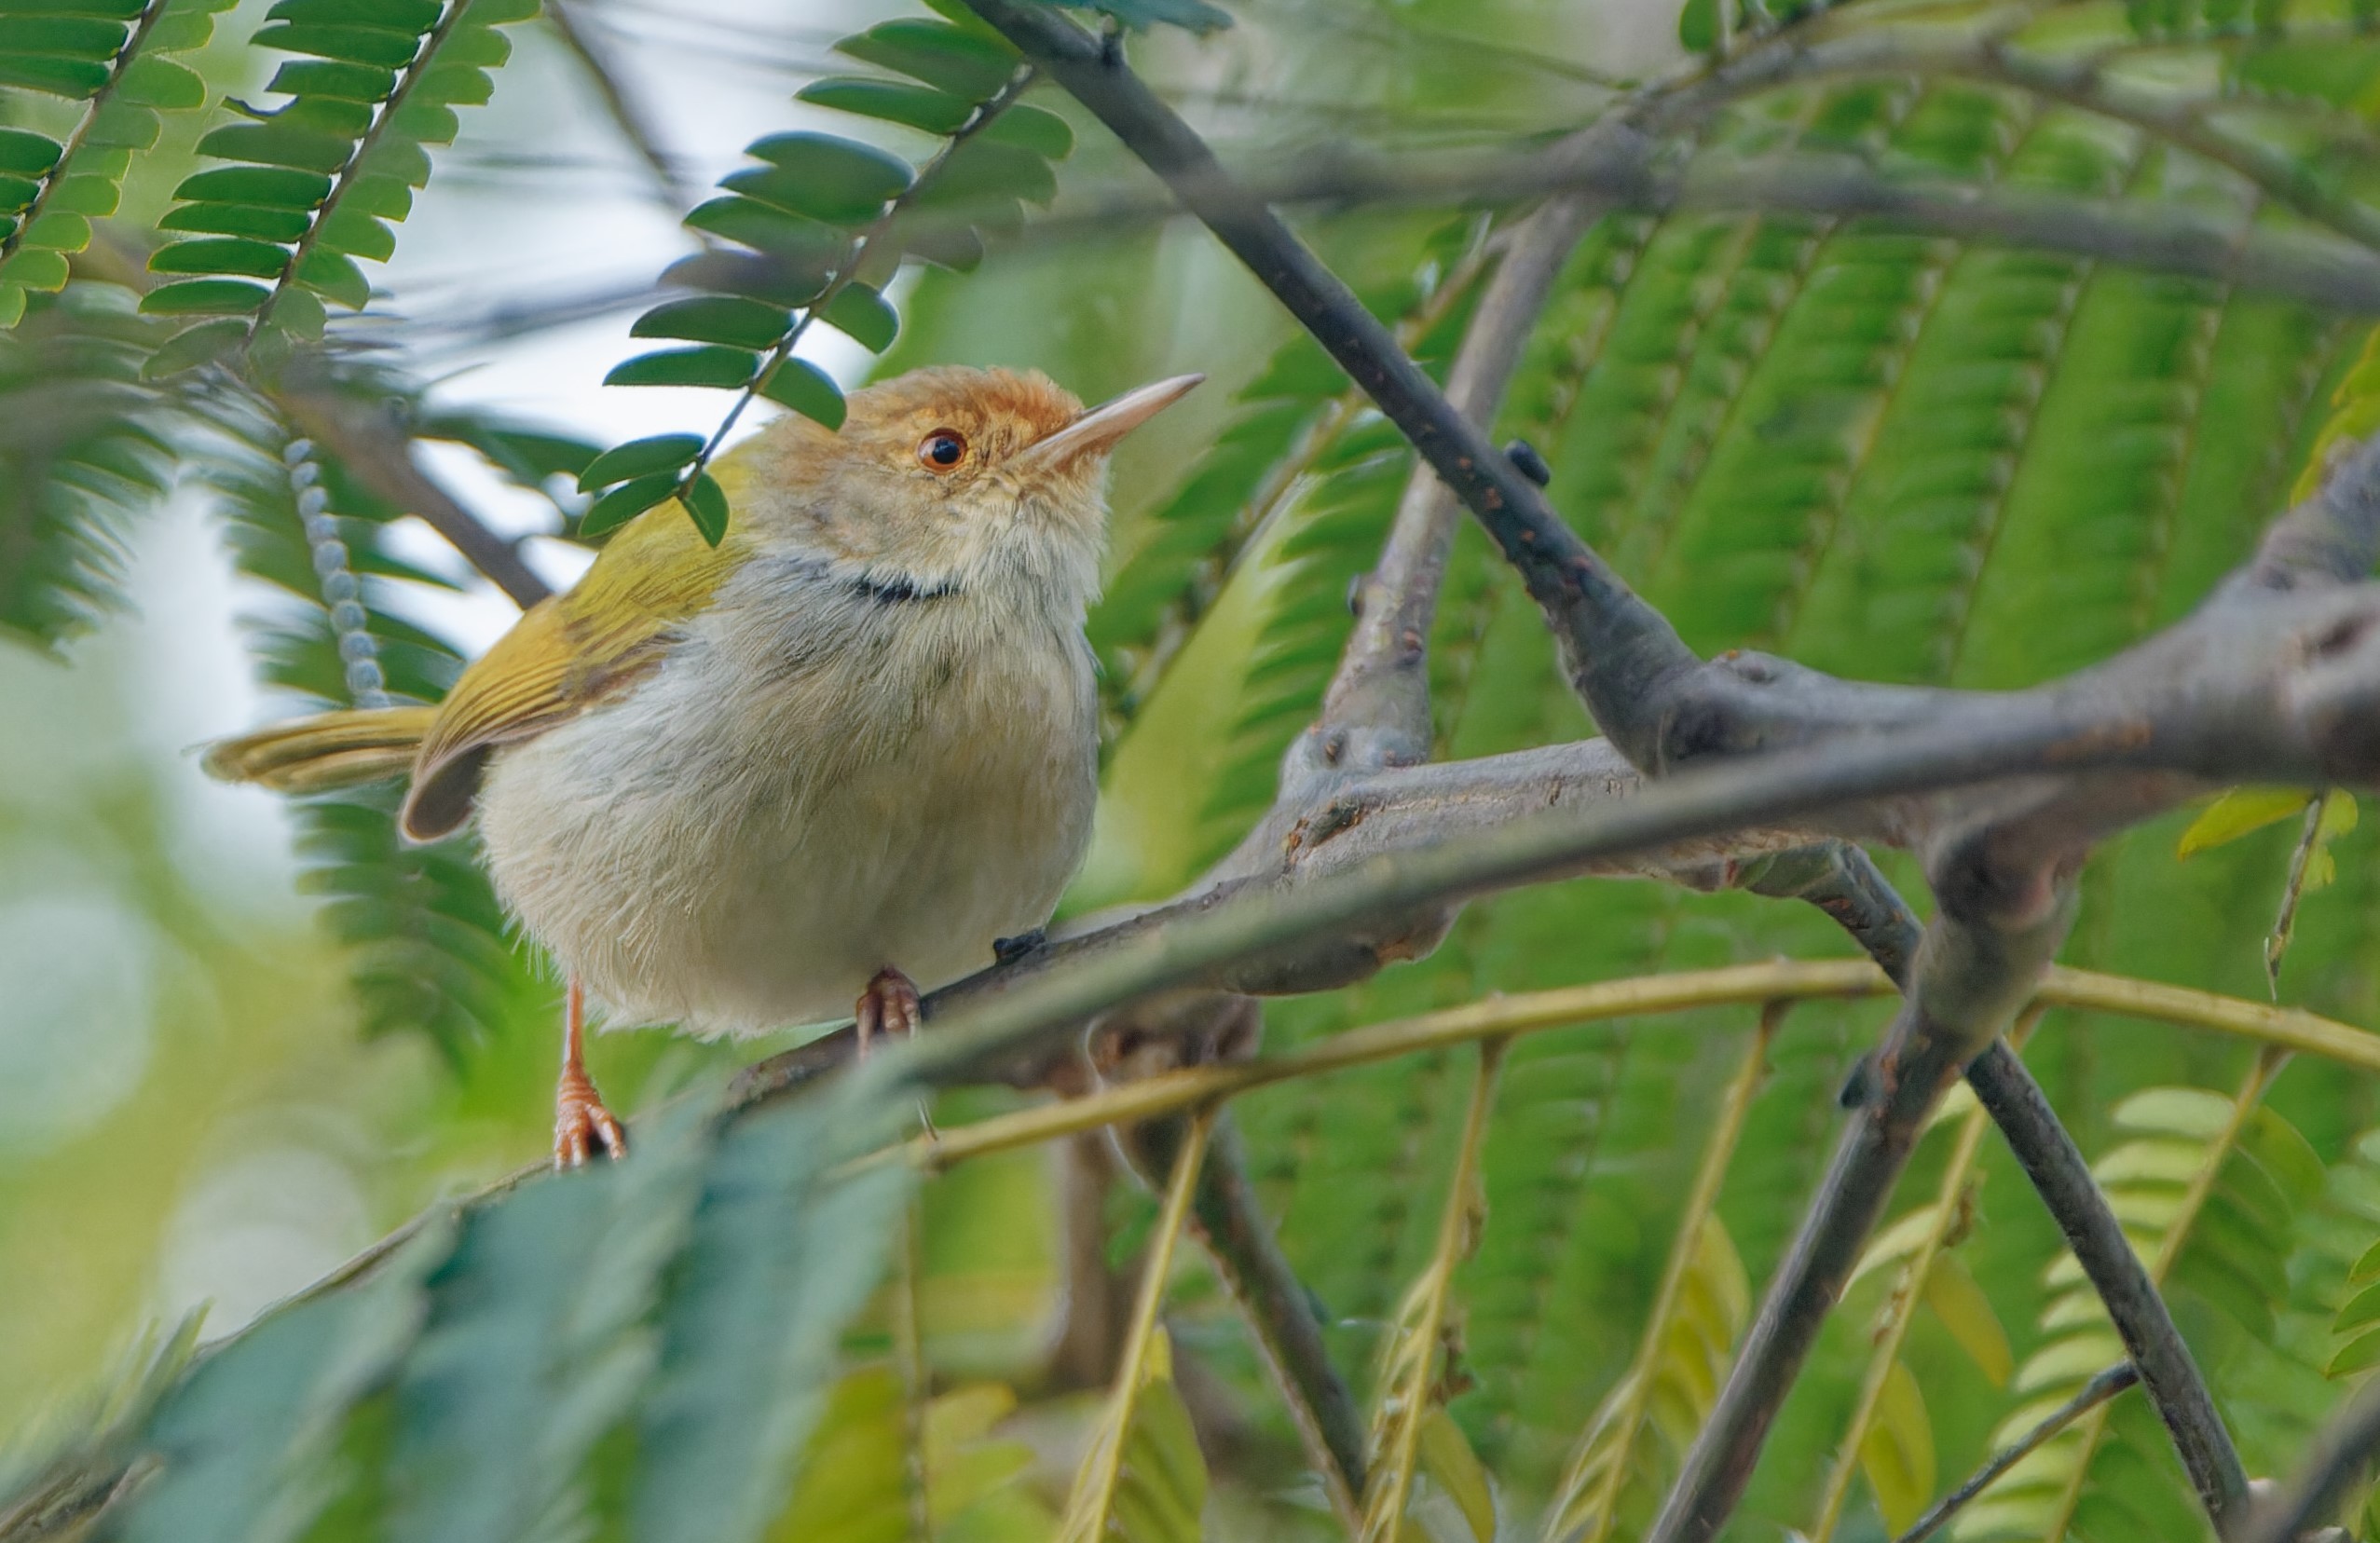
(897, 590)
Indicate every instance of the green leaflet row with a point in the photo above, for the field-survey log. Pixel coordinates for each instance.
(113, 57)
(811, 230)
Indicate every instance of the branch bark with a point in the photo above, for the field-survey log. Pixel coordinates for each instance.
(373, 446)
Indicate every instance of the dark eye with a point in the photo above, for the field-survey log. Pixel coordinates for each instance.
(943, 449)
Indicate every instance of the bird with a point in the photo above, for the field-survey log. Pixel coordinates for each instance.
(844, 751)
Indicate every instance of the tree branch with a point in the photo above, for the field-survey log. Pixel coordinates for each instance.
(373, 446)
(1377, 712)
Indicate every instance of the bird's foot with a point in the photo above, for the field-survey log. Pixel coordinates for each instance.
(888, 1006)
(1007, 950)
(582, 1126)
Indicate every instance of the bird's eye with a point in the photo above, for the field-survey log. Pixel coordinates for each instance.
(943, 449)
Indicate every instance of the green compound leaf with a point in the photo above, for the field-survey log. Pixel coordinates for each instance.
(827, 221)
(319, 181)
(114, 58)
(640, 458)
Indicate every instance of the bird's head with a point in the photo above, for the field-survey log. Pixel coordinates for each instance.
(950, 475)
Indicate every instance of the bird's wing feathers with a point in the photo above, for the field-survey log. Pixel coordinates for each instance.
(567, 654)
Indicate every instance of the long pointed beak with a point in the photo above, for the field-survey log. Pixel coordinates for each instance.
(1097, 430)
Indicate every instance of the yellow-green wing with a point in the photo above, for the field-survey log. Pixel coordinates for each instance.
(566, 655)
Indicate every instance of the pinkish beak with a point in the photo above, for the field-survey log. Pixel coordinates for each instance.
(1096, 431)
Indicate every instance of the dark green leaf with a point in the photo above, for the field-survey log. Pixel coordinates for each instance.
(965, 64)
(278, 145)
(335, 276)
(327, 116)
(427, 122)
(538, 1341)
(223, 219)
(1028, 128)
(203, 298)
(56, 231)
(226, 255)
(640, 458)
(829, 178)
(72, 79)
(350, 231)
(322, 78)
(864, 316)
(709, 365)
(706, 506)
(914, 106)
(17, 193)
(26, 155)
(766, 229)
(61, 36)
(121, 125)
(804, 388)
(385, 197)
(456, 84)
(348, 44)
(264, 187)
(626, 502)
(407, 16)
(722, 318)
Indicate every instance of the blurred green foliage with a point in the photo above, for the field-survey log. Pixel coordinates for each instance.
(1898, 457)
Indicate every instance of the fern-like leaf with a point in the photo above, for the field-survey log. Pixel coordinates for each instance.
(2207, 1188)
(318, 183)
(82, 450)
(1687, 1344)
(113, 56)
(817, 229)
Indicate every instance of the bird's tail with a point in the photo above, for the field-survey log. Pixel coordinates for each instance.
(312, 755)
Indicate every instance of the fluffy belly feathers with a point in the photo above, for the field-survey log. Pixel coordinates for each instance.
(740, 842)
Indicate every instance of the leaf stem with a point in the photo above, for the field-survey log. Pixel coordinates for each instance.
(1411, 1363)
(1625, 1409)
(1094, 1494)
(2097, 1391)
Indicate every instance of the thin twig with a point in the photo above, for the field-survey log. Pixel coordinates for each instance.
(1567, 1006)
(2062, 1176)
(622, 104)
(2097, 1391)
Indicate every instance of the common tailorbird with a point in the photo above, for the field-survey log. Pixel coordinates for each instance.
(842, 753)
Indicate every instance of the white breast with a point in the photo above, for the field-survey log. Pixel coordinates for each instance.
(815, 784)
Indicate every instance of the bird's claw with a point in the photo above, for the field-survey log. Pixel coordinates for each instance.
(888, 1006)
(582, 1126)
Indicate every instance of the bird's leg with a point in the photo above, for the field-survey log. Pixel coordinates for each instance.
(582, 1126)
(888, 1006)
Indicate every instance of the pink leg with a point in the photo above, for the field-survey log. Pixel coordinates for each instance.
(888, 1006)
(582, 1126)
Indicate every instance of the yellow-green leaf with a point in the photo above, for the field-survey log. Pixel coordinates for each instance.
(2237, 814)
(1898, 1454)
(1447, 1458)
(1966, 1311)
